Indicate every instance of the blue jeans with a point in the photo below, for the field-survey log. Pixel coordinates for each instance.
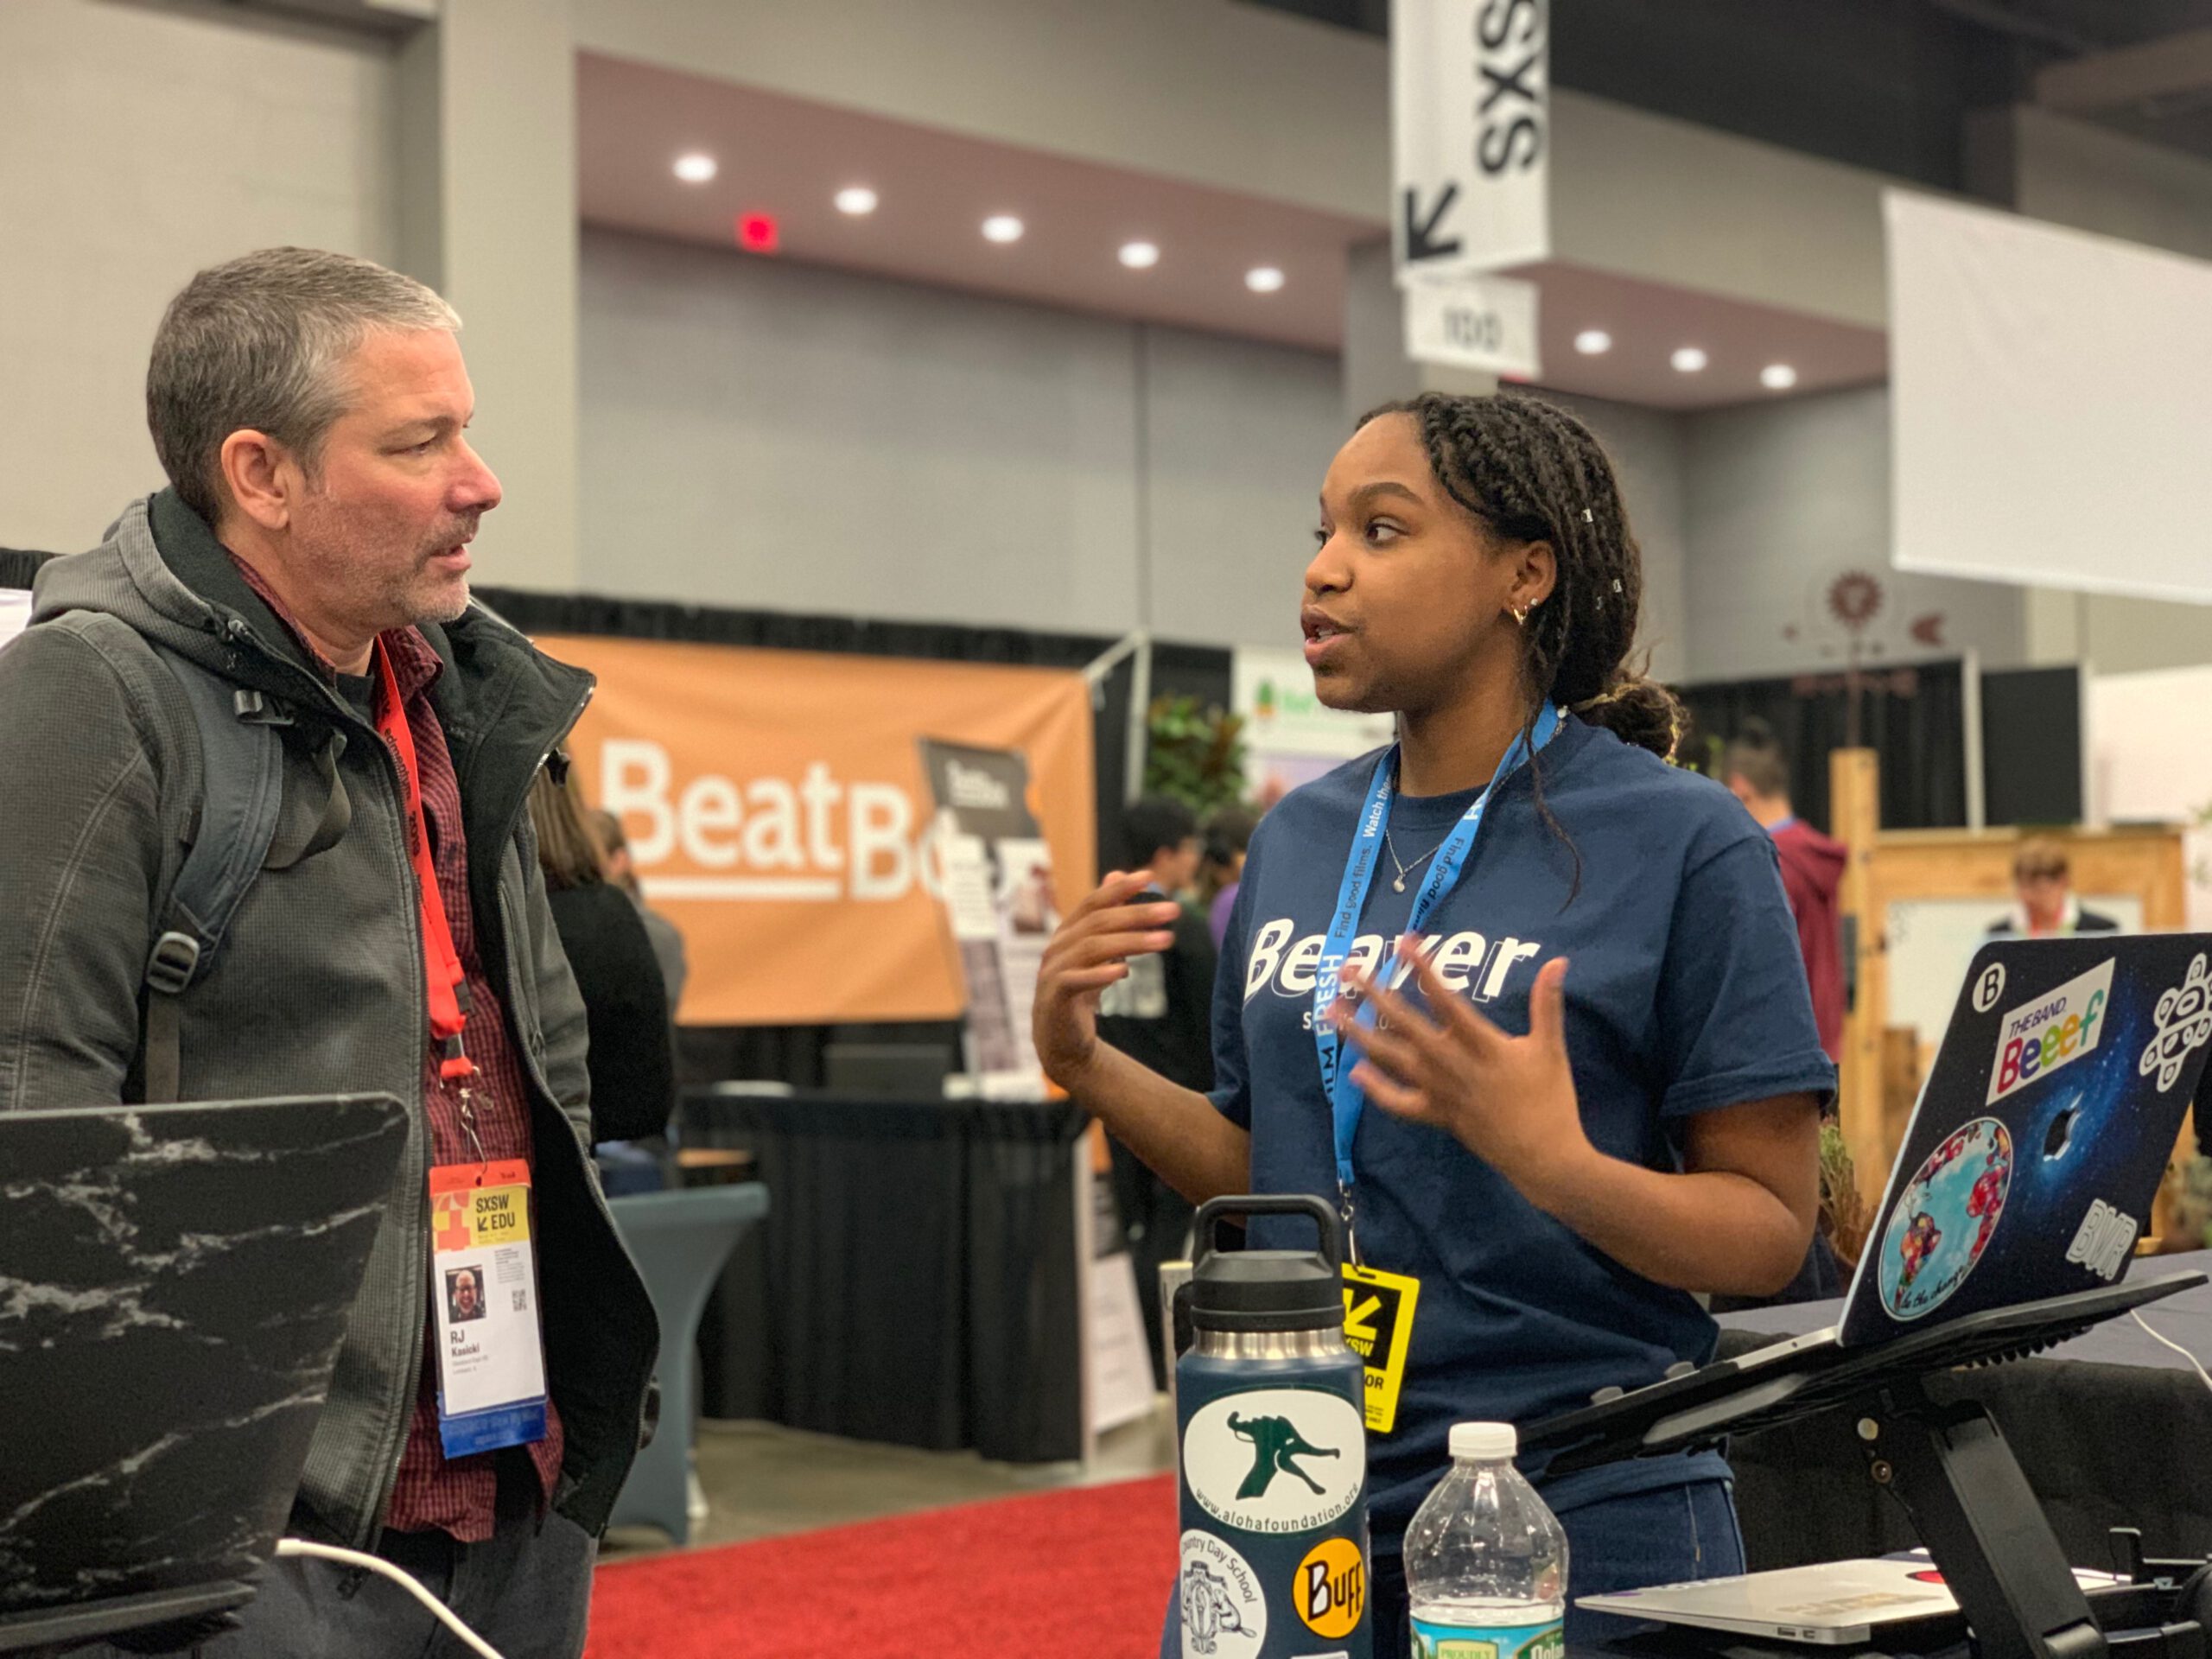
(1666, 1537)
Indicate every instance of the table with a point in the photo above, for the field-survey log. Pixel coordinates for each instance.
(920, 1278)
(2111, 1428)
(679, 1241)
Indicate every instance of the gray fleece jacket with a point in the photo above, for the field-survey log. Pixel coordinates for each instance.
(319, 986)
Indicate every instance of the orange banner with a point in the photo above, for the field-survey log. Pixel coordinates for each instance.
(778, 813)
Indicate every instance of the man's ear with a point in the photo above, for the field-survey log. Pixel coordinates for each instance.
(261, 476)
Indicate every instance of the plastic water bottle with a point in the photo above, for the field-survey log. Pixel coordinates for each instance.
(1485, 1561)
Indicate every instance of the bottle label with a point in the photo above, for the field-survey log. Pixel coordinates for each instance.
(1433, 1640)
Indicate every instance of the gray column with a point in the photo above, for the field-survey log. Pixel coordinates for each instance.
(1375, 367)
(487, 188)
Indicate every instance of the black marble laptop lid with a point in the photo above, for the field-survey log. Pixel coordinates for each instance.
(175, 1281)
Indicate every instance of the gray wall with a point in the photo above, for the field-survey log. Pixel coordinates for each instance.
(1783, 500)
(136, 147)
(1650, 457)
(759, 434)
(766, 434)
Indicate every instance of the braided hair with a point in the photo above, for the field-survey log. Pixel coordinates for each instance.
(1529, 471)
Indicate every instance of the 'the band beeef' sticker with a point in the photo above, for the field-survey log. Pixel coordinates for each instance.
(1943, 1220)
(2184, 1021)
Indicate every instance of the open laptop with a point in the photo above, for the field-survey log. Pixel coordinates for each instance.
(2043, 1132)
(1835, 1604)
(178, 1280)
(2026, 1173)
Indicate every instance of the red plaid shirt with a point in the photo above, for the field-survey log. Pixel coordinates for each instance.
(454, 1495)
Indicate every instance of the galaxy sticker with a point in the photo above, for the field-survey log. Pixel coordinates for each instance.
(2055, 1030)
(1949, 1211)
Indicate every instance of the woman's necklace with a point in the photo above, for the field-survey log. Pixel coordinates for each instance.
(1404, 868)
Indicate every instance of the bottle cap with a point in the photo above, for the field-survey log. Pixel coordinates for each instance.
(1488, 1441)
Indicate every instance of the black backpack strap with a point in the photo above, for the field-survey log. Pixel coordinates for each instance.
(242, 763)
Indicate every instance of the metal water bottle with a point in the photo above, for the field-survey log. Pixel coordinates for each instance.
(1271, 1437)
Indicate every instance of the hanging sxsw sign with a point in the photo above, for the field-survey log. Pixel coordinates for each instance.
(778, 812)
(1470, 136)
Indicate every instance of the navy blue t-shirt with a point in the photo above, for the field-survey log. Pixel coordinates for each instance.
(1685, 992)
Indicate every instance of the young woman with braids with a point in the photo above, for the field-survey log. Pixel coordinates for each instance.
(1561, 1155)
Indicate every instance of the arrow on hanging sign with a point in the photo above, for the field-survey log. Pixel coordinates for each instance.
(1421, 240)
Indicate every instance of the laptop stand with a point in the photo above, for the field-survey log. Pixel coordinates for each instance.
(1946, 1463)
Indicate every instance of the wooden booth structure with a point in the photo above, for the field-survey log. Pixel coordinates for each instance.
(1916, 902)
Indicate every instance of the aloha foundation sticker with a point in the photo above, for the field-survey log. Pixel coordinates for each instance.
(1945, 1218)
(1276, 1460)
(1224, 1609)
(2184, 1021)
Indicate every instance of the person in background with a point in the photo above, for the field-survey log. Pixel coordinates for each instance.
(667, 938)
(632, 1056)
(1161, 1017)
(1226, 833)
(2043, 882)
(1757, 774)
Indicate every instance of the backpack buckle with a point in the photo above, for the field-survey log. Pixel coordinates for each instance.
(175, 960)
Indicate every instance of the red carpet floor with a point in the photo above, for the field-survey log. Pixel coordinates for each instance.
(1083, 1572)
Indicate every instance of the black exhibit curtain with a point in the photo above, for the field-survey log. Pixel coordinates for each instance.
(18, 565)
(1913, 718)
(917, 1279)
(793, 1053)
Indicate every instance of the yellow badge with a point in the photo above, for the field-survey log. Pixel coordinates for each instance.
(1379, 1328)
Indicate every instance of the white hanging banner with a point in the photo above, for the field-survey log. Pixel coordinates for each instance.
(1471, 135)
(1473, 322)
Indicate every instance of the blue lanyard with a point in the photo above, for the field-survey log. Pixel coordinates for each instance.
(1346, 1100)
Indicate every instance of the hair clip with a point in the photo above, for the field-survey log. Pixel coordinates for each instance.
(1617, 584)
(1586, 517)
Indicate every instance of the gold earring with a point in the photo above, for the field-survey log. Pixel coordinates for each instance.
(1521, 616)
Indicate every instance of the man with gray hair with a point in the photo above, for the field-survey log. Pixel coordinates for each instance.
(309, 560)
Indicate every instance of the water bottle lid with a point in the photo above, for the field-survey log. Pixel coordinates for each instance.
(1266, 1290)
(1485, 1440)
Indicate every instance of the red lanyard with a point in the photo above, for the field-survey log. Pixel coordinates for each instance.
(449, 982)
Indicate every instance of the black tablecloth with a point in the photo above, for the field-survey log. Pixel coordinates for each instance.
(2111, 1430)
(916, 1280)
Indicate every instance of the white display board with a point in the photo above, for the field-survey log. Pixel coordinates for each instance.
(1290, 736)
(2150, 748)
(1932, 940)
(14, 613)
(2043, 383)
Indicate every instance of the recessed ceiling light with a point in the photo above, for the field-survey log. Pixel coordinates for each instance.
(1592, 341)
(1002, 227)
(856, 199)
(696, 168)
(1139, 255)
(1688, 360)
(1778, 377)
(1263, 279)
